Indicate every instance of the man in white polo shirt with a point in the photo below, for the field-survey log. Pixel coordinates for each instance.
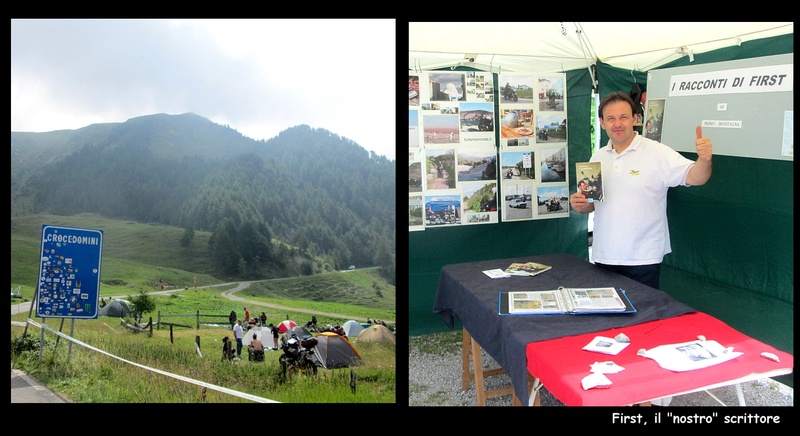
(631, 234)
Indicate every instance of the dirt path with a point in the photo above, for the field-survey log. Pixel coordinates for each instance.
(229, 294)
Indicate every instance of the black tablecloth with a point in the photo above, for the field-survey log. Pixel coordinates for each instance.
(469, 294)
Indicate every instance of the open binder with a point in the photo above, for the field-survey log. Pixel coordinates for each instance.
(561, 301)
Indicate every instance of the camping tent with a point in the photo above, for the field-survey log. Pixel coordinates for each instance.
(116, 308)
(564, 46)
(286, 325)
(352, 328)
(335, 351)
(376, 333)
(298, 330)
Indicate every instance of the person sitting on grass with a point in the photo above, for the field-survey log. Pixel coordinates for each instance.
(256, 349)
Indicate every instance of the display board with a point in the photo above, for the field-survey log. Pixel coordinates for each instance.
(746, 107)
(454, 166)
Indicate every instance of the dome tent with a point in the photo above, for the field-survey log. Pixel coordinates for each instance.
(116, 308)
(377, 333)
(300, 331)
(334, 351)
(352, 328)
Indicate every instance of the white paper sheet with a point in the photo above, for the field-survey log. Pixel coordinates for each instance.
(688, 356)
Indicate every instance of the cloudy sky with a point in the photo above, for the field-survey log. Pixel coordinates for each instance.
(259, 77)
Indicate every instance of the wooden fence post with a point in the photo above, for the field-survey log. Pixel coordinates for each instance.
(170, 335)
(198, 320)
(151, 326)
(159, 320)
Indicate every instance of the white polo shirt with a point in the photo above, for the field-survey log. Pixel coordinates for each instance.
(630, 224)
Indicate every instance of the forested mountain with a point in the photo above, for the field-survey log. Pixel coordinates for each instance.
(308, 188)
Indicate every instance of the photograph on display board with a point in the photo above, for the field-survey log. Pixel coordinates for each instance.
(554, 164)
(551, 128)
(654, 119)
(480, 85)
(517, 165)
(477, 117)
(479, 202)
(517, 142)
(413, 90)
(413, 129)
(440, 129)
(447, 86)
(414, 177)
(517, 201)
(477, 164)
(415, 211)
(787, 146)
(516, 123)
(551, 93)
(453, 149)
(552, 200)
(515, 88)
(471, 88)
(440, 168)
(442, 210)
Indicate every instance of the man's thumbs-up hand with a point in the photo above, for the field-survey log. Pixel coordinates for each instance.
(703, 145)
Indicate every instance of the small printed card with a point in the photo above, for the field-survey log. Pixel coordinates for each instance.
(602, 344)
(496, 273)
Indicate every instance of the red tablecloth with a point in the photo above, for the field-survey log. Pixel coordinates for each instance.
(560, 364)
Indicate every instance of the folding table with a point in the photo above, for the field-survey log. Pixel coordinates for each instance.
(466, 293)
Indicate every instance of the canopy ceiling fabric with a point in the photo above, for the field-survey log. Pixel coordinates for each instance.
(557, 47)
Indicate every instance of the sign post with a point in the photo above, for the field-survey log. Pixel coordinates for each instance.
(69, 273)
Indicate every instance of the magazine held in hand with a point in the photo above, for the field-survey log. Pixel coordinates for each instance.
(573, 301)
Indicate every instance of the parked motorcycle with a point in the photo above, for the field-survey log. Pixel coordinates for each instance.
(298, 356)
(510, 94)
(485, 124)
(554, 206)
(543, 135)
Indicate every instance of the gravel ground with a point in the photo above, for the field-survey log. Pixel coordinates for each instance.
(435, 380)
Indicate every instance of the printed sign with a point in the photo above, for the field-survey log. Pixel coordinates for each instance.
(69, 272)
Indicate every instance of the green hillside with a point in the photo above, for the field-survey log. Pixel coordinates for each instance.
(137, 256)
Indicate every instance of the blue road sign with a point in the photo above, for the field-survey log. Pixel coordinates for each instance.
(69, 272)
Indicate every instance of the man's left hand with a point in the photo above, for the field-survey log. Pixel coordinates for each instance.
(703, 145)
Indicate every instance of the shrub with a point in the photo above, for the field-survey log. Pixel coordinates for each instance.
(23, 343)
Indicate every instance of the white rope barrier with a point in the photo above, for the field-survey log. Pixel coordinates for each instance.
(243, 395)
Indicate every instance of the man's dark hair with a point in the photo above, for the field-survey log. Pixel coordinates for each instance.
(615, 97)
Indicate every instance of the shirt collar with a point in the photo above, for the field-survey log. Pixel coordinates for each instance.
(634, 145)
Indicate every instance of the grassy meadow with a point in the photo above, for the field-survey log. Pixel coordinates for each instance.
(153, 253)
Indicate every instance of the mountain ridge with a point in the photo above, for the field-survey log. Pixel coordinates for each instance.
(306, 186)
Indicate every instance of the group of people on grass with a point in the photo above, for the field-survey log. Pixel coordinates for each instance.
(233, 348)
